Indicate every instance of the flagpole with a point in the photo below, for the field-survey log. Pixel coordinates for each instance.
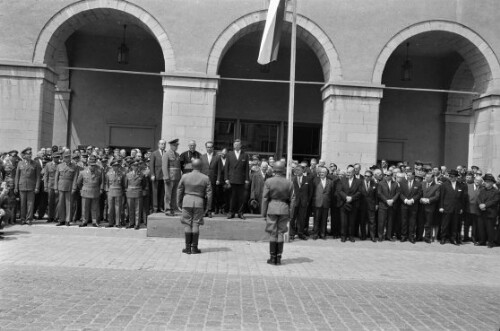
(291, 97)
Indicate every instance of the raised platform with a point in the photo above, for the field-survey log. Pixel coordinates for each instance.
(218, 227)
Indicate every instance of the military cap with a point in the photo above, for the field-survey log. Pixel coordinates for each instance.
(489, 177)
(474, 167)
(174, 142)
(418, 162)
(66, 153)
(76, 157)
(56, 155)
(47, 158)
(13, 152)
(453, 172)
(469, 173)
(92, 160)
(279, 167)
(55, 148)
(25, 151)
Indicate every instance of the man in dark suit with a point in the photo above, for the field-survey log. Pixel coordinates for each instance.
(321, 201)
(236, 176)
(303, 188)
(188, 156)
(368, 205)
(472, 208)
(452, 204)
(387, 193)
(209, 164)
(410, 193)
(348, 191)
(157, 176)
(171, 169)
(487, 200)
(223, 192)
(430, 197)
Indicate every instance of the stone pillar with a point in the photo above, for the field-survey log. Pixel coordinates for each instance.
(61, 117)
(26, 105)
(189, 109)
(486, 134)
(456, 139)
(350, 124)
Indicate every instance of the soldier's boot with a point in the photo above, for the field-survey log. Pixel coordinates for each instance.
(188, 236)
(273, 245)
(279, 252)
(194, 244)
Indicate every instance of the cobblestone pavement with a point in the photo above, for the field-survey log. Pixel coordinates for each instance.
(79, 279)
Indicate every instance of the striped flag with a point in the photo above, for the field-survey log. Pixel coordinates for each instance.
(272, 32)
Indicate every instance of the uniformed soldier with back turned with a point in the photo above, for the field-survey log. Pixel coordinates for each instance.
(171, 167)
(276, 201)
(195, 196)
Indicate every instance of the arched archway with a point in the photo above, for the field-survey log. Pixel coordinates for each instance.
(433, 127)
(71, 18)
(307, 30)
(103, 20)
(474, 50)
(260, 120)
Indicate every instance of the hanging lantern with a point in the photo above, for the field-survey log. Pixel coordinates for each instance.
(407, 67)
(123, 49)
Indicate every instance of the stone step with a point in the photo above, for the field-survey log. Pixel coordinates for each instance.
(218, 227)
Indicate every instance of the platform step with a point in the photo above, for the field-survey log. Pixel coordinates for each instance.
(251, 229)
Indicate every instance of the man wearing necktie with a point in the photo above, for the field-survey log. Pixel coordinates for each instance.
(188, 156)
(431, 192)
(303, 188)
(349, 192)
(410, 194)
(451, 206)
(472, 210)
(155, 165)
(368, 205)
(209, 165)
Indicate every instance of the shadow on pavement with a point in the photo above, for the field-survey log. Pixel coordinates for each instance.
(215, 249)
(297, 260)
(10, 233)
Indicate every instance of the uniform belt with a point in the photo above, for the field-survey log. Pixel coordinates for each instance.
(195, 195)
(134, 187)
(281, 200)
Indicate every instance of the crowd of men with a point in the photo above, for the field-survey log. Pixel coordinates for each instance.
(95, 185)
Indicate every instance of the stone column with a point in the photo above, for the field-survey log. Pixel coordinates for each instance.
(456, 138)
(189, 108)
(486, 133)
(350, 124)
(61, 117)
(26, 105)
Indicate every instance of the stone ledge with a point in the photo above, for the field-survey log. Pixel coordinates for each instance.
(251, 229)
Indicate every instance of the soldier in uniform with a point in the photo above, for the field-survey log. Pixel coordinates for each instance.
(188, 156)
(276, 201)
(90, 185)
(135, 184)
(114, 184)
(27, 183)
(66, 175)
(49, 177)
(194, 195)
(146, 192)
(171, 167)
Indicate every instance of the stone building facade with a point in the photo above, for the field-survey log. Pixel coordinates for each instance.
(181, 51)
